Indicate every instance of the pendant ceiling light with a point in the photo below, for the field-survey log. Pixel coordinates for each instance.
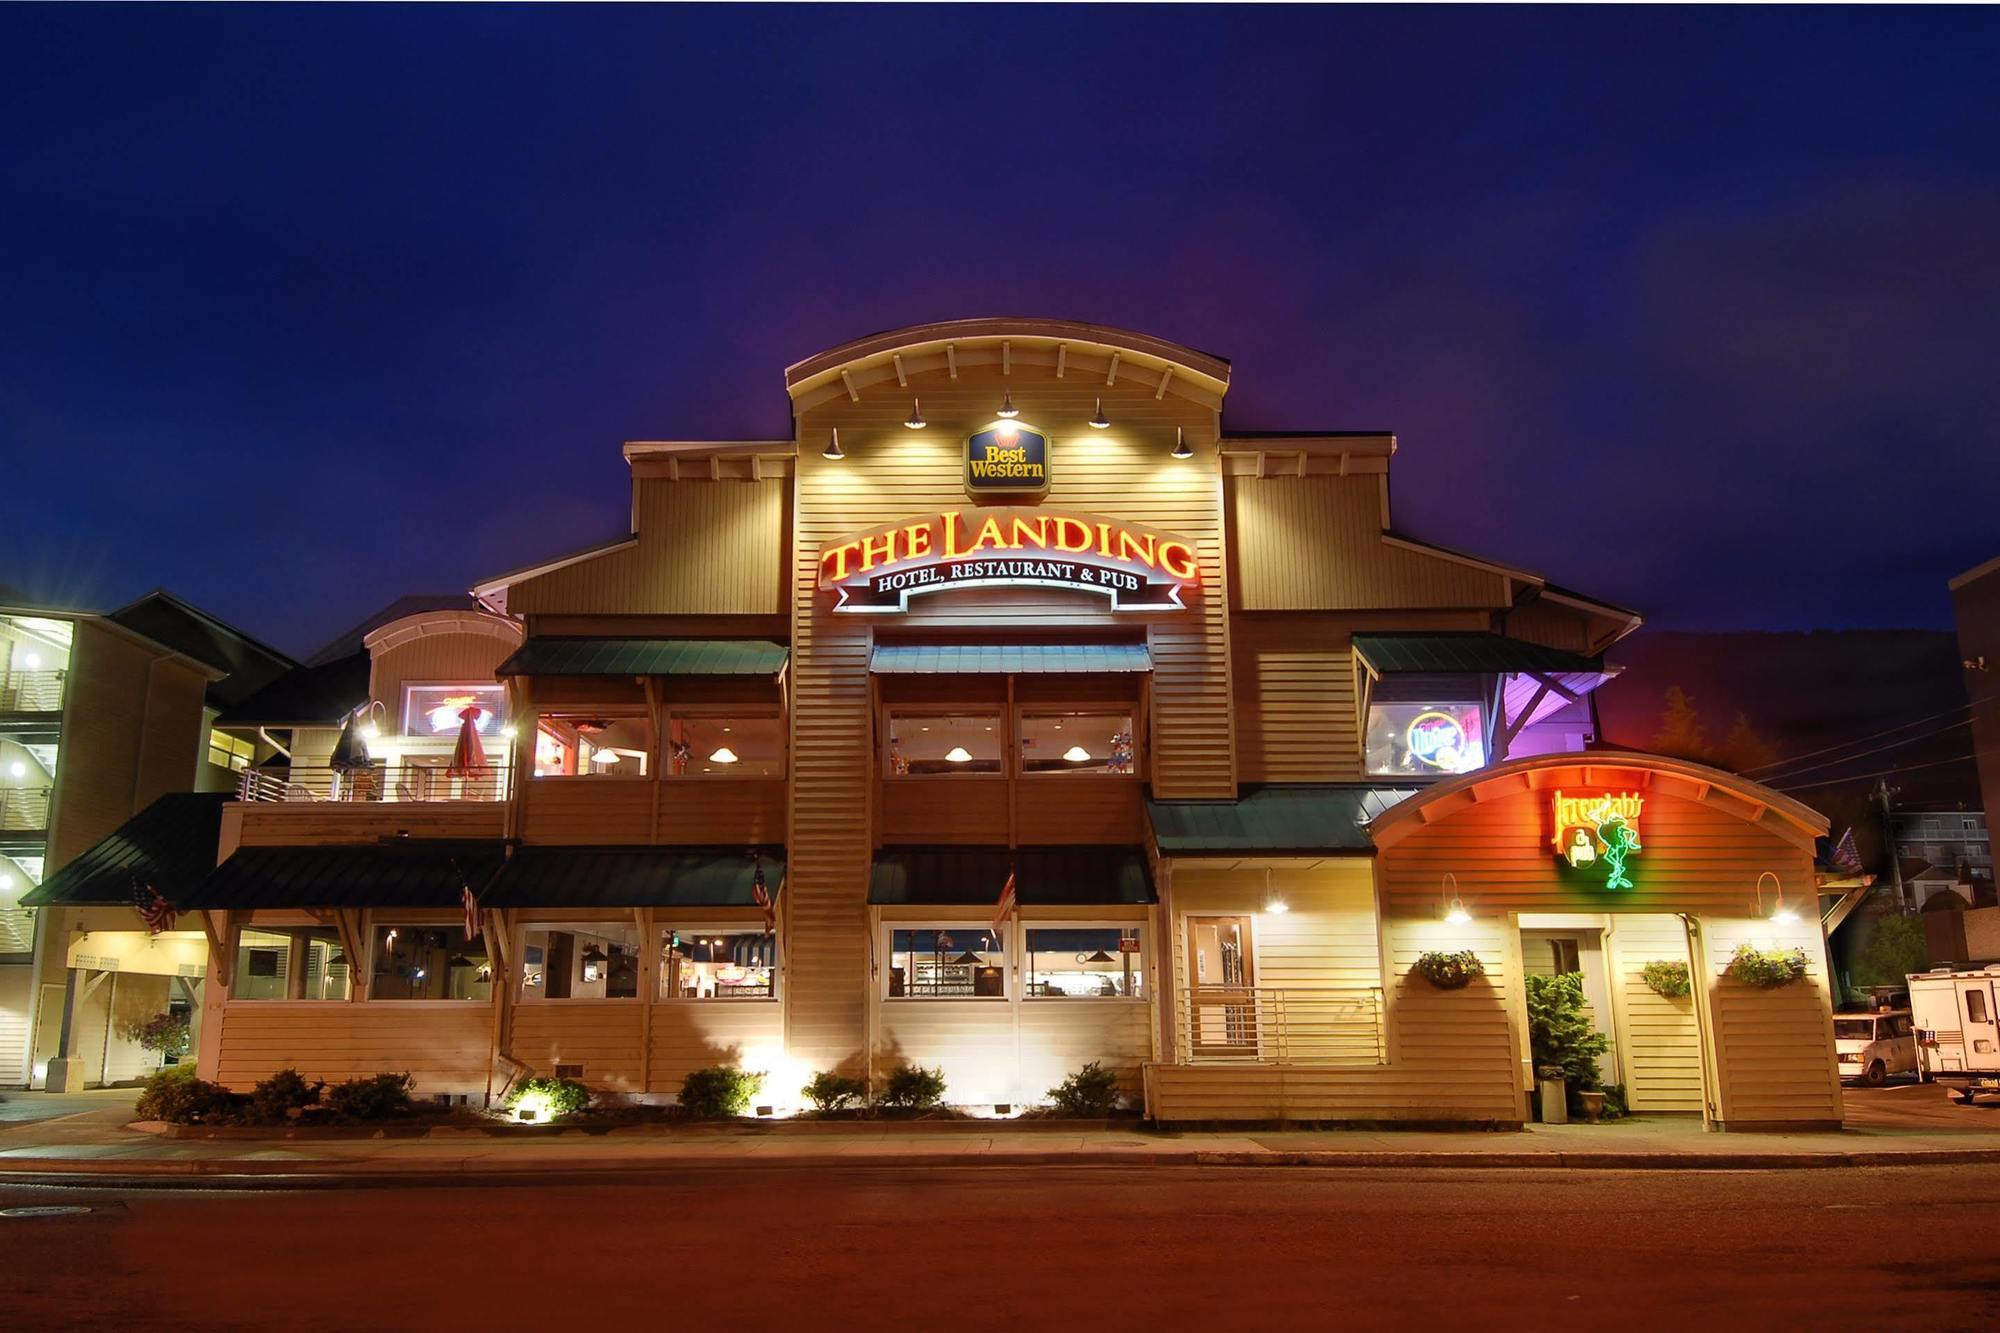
(1100, 957)
(1007, 409)
(1098, 421)
(1181, 449)
(1076, 754)
(723, 755)
(968, 959)
(958, 754)
(916, 421)
(832, 451)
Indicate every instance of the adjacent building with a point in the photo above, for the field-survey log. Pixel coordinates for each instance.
(1012, 713)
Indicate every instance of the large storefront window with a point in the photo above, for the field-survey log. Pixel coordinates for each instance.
(572, 745)
(1054, 742)
(290, 963)
(725, 746)
(429, 963)
(437, 710)
(943, 745)
(1085, 963)
(588, 961)
(700, 963)
(1425, 740)
(965, 962)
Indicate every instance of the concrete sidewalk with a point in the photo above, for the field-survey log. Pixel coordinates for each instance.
(95, 1146)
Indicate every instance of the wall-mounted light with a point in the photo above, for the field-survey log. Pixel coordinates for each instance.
(1781, 914)
(832, 451)
(1453, 909)
(1274, 902)
(1098, 421)
(916, 417)
(1007, 409)
(1181, 447)
(17, 769)
(31, 661)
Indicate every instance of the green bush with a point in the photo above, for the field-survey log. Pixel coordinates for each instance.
(549, 1098)
(1766, 969)
(913, 1088)
(381, 1097)
(274, 1099)
(176, 1096)
(1090, 1093)
(718, 1093)
(1892, 949)
(1560, 1033)
(834, 1092)
(1449, 971)
(1667, 977)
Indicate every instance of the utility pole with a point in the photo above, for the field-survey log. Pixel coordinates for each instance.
(1883, 791)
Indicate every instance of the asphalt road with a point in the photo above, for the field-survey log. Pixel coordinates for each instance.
(745, 1248)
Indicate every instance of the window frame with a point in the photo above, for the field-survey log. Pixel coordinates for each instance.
(661, 929)
(1140, 928)
(622, 713)
(1129, 711)
(1428, 774)
(949, 925)
(237, 971)
(521, 995)
(997, 710)
(725, 712)
(454, 926)
(409, 686)
(231, 755)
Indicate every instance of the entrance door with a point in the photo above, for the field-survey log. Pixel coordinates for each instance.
(1982, 1025)
(1222, 999)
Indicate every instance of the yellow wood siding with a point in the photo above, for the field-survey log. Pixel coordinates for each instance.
(1551, 624)
(305, 823)
(1773, 1048)
(943, 810)
(1314, 543)
(446, 1047)
(749, 1034)
(1013, 1052)
(440, 658)
(705, 548)
(1078, 810)
(604, 1036)
(621, 812)
(572, 811)
(15, 994)
(1660, 1042)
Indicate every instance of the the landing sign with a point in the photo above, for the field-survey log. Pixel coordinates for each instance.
(1136, 568)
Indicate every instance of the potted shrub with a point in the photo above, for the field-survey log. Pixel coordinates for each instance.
(1449, 971)
(1562, 1037)
(1766, 969)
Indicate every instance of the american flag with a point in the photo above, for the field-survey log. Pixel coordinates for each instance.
(762, 896)
(471, 906)
(159, 914)
(1005, 909)
(1845, 855)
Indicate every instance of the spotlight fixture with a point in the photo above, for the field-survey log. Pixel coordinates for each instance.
(832, 451)
(1007, 409)
(1098, 421)
(916, 421)
(1181, 447)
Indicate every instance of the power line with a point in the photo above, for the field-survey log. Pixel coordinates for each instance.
(1887, 772)
(1863, 754)
(1858, 740)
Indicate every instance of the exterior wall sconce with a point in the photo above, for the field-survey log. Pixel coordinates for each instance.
(1274, 902)
(1181, 446)
(1007, 410)
(1452, 911)
(916, 420)
(1098, 421)
(832, 451)
(1781, 914)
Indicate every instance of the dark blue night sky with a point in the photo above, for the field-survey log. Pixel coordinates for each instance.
(1695, 310)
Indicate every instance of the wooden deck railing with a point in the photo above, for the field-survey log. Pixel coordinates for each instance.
(405, 782)
(1264, 1025)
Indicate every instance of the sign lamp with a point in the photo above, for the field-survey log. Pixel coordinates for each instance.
(1007, 409)
(832, 451)
(916, 421)
(1098, 421)
(1181, 447)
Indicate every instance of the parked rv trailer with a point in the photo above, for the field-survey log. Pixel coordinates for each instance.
(1957, 1015)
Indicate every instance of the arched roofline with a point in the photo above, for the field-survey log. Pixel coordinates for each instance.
(1068, 346)
(425, 624)
(1750, 801)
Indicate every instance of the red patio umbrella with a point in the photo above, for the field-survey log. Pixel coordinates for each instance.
(468, 757)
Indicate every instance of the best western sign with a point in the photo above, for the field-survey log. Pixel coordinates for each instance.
(1007, 459)
(1137, 568)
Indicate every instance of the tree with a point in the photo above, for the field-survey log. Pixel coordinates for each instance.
(1681, 733)
(1745, 751)
(1894, 949)
(1560, 1032)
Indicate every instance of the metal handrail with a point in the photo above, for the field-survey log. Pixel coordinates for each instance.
(31, 691)
(390, 783)
(1280, 1025)
(24, 809)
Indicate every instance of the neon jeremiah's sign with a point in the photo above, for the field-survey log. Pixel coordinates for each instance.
(1137, 568)
(1598, 835)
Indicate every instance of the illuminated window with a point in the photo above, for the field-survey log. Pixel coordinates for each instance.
(717, 963)
(591, 745)
(429, 963)
(962, 962)
(230, 752)
(1085, 963)
(290, 963)
(1425, 740)
(437, 710)
(942, 745)
(1077, 743)
(594, 960)
(732, 746)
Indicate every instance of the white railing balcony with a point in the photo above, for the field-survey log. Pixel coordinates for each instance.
(1268, 1025)
(400, 782)
(31, 691)
(24, 809)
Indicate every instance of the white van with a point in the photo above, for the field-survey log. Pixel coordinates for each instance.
(1876, 1046)
(1957, 1016)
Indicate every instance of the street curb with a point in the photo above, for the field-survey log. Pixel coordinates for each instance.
(364, 1173)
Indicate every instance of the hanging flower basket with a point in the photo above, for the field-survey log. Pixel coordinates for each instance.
(1667, 978)
(1449, 971)
(1766, 969)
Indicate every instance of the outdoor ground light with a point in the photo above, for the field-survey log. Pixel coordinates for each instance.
(1454, 911)
(1098, 421)
(832, 451)
(1007, 409)
(916, 418)
(1181, 448)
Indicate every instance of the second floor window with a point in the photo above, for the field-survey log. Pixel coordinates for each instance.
(1425, 740)
(438, 710)
(1077, 742)
(577, 745)
(725, 746)
(943, 744)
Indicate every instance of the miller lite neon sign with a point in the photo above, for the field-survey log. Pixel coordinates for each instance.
(1136, 568)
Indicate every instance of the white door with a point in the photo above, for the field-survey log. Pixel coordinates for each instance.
(1982, 1025)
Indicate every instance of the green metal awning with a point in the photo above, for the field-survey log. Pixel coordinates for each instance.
(1087, 875)
(170, 845)
(635, 877)
(1329, 819)
(386, 874)
(646, 657)
(1466, 652)
(1009, 659)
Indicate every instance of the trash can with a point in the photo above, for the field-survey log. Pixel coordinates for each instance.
(1554, 1096)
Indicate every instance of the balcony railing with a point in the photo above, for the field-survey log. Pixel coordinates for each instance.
(1263, 1025)
(31, 691)
(405, 782)
(24, 809)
